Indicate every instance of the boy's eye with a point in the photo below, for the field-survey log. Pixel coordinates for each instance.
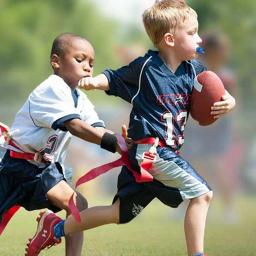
(79, 60)
(192, 32)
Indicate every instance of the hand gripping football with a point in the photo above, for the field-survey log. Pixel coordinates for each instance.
(208, 89)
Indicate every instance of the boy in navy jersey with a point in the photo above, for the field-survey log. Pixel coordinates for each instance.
(158, 85)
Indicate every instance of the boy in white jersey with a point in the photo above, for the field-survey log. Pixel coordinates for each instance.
(32, 174)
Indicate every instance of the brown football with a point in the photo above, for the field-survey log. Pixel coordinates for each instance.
(207, 90)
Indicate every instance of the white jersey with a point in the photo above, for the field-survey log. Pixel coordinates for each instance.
(32, 130)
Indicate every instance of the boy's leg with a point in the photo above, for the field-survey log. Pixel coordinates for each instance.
(130, 200)
(50, 190)
(59, 195)
(194, 223)
(173, 171)
(93, 217)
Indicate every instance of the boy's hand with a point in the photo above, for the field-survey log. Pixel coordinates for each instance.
(129, 142)
(88, 83)
(118, 149)
(99, 82)
(224, 106)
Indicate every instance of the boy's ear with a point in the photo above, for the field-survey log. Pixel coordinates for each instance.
(55, 61)
(169, 39)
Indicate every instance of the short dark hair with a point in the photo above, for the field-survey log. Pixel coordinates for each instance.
(61, 42)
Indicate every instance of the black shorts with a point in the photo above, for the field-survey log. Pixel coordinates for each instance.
(25, 184)
(134, 197)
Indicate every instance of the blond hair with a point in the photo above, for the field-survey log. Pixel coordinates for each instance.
(164, 16)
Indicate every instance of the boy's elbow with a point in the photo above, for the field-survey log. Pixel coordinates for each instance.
(73, 126)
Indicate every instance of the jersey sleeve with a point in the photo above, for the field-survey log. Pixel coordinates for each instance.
(124, 81)
(50, 103)
(60, 123)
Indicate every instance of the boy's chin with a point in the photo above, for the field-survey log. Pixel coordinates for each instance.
(73, 85)
(195, 56)
(191, 57)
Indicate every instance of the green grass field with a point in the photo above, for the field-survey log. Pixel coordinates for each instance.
(155, 232)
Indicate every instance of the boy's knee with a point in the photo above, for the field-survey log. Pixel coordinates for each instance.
(81, 202)
(207, 197)
(203, 199)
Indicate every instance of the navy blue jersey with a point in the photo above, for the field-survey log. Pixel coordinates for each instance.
(160, 97)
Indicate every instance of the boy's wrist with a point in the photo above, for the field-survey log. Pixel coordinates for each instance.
(96, 83)
(109, 142)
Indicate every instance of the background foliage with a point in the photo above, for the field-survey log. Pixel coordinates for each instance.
(28, 27)
(27, 30)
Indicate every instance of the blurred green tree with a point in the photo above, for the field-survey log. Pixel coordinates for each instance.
(27, 30)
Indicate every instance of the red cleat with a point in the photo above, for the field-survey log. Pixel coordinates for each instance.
(44, 236)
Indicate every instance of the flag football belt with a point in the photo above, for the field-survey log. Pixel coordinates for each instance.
(20, 155)
(5, 139)
(143, 175)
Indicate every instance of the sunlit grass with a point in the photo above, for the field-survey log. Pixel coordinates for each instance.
(157, 231)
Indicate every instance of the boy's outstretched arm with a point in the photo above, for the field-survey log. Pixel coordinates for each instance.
(100, 136)
(99, 82)
(224, 106)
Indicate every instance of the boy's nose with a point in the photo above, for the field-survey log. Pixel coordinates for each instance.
(199, 39)
(87, 68)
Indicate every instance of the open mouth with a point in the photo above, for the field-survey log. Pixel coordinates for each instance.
(86, 76)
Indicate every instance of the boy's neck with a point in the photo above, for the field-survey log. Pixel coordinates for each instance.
(71, 87)
(170, 61)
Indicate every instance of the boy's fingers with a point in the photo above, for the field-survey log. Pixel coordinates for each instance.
(83, 82)
(225, 97)
(80, 82)
(219, 108)
(219, 112)
(220, 103)
(124, 131)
